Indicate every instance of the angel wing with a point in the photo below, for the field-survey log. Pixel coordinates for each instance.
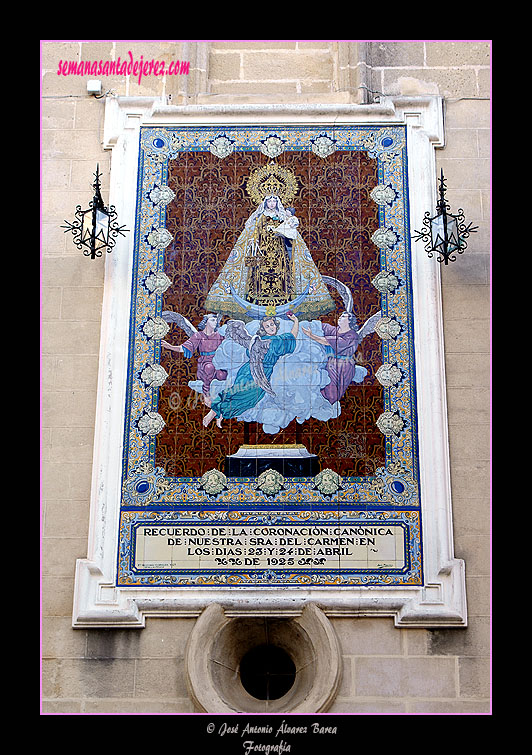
(257, 352)
(345, 293)
(236, 330)
(347, 298)
(180, 320)
(369, 325)
(258, 348)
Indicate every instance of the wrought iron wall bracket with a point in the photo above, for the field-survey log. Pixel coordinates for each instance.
(445, 233)
(96, 228)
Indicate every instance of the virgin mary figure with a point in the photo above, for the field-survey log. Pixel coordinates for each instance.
(263, 273)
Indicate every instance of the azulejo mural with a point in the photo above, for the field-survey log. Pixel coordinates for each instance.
(270, 433)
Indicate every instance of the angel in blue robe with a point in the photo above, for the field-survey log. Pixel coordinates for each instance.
(252, 381)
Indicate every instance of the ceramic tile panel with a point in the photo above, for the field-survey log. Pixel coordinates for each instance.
(276, 233)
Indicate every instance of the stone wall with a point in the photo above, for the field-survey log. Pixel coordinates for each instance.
(385, 669)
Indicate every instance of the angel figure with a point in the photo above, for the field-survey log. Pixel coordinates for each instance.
(253, 378)
(341, 342)
(204, 340)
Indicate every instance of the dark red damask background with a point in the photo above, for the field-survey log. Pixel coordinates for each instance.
(336, 219)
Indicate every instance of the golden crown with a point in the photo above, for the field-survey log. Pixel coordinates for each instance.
(272, 179)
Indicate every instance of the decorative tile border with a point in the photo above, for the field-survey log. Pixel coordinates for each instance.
(295, 548)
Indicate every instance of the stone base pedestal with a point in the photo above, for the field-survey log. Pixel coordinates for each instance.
(290, 460)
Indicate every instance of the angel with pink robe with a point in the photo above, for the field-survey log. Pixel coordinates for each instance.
(202, 341)
(340, 343)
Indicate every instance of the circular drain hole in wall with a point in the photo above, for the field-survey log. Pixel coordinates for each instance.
(267, 672)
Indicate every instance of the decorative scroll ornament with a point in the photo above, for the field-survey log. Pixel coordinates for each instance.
(151, 423)
(323, 145)
(389, 374)
(384, 195)
(394, 482)
(390, 423)
(159, 238)
(272, 180)
(161, 195)
(368, 141)
(153, 375)
(327, 482)
(144, 484)
(155, 327)
(221, 146)
(157, 282)
(272, 146)
(160, 144)
(385, 147)
(213, 482)
(385, 239)
(387, 328)
(270, 481)
(386, 282)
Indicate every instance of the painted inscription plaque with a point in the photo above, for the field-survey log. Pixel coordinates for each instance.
(270, 434)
